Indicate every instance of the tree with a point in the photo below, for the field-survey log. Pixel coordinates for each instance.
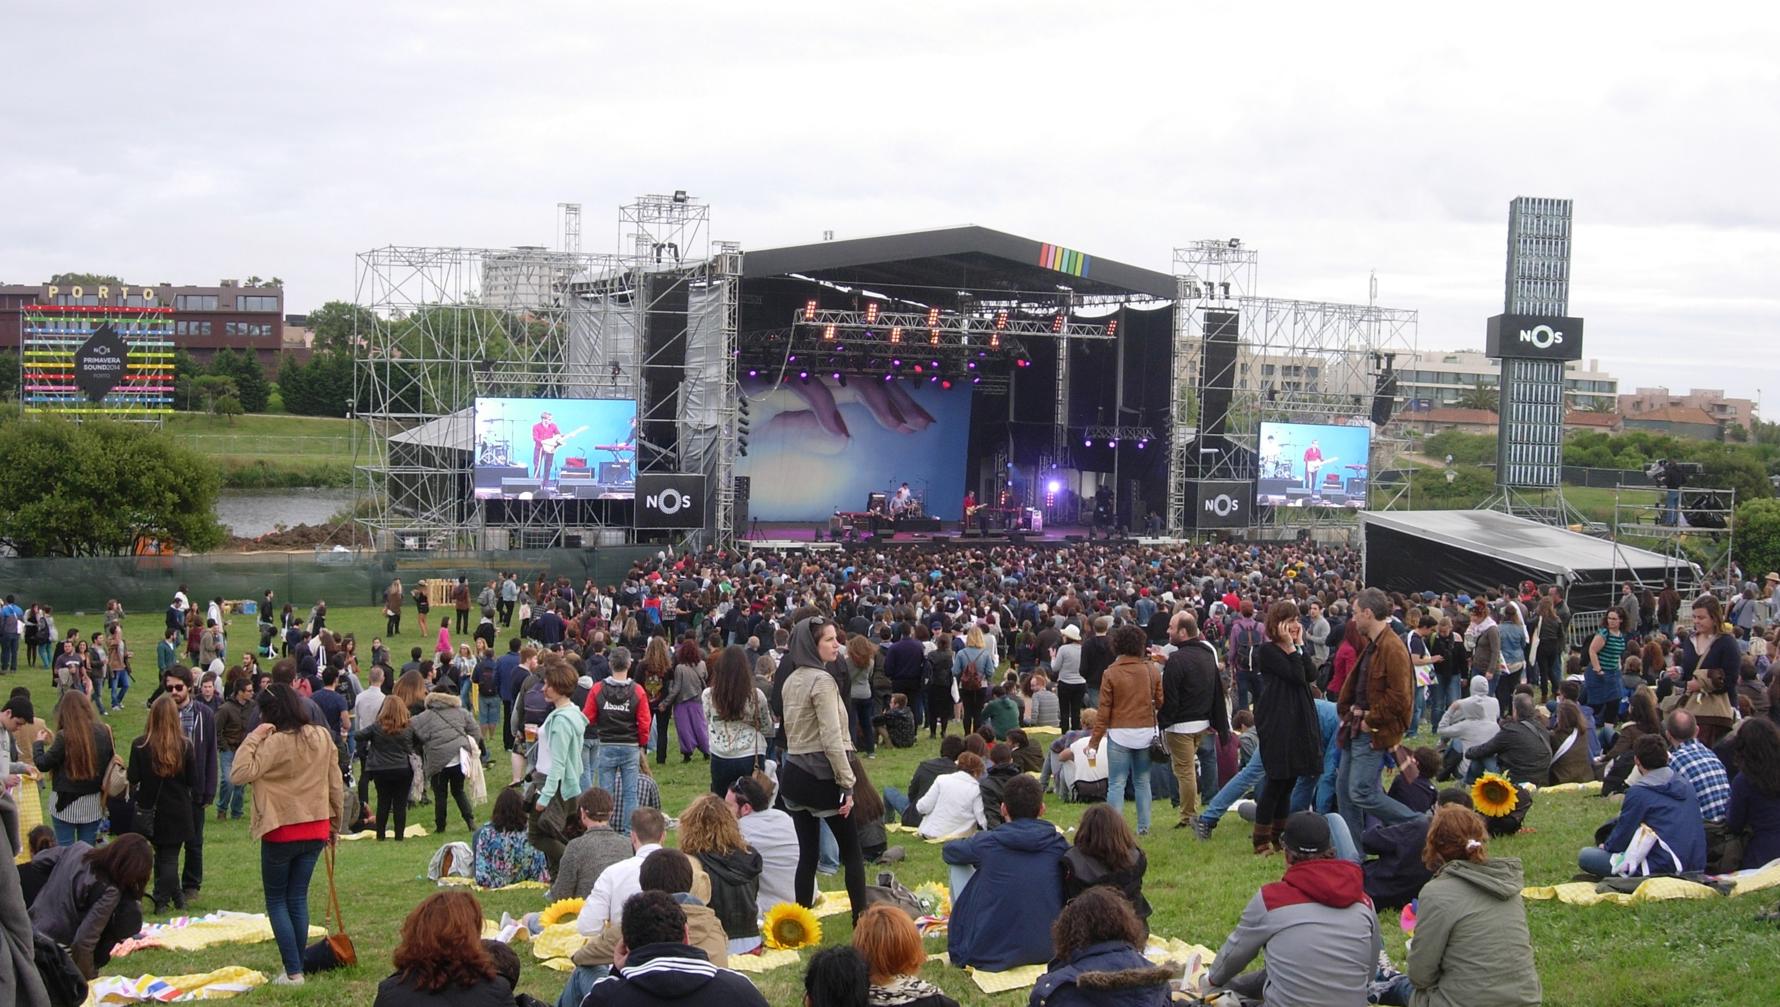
(249, 377)
(1480, 396)
(337, 325)
(85, 279)
(1758, 536)
(212, 387)
(95, 488)
(320, 387)
(227, 406)
(9, 382)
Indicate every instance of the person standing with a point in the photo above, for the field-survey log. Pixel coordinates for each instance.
(1710, 663)
(1602, 687)
(164, 774)
(556, 778)
(816, 779)
(1066, 668)
(509, 597)
(78, 756)
(619, 711)
(1374, 705)
(1130, 696)
(739, 720)
(1484, 639)
(1548, 653)
(298, 796)
(1291, 737)
(199, 724)
(231, 729)
(543, 447)
(444, 730)
(683, 700)
(12, 629)
(460, 603)
(1512, 634)
(1192, 705)
(387, 742)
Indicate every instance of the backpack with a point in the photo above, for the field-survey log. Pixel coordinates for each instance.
(487, 678)
(11, 626)
(939, 670)
(535, 707)
(1245, 636)
(971, 678)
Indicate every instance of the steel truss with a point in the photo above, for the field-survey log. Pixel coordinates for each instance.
(1699, 532)
(1297, 361)
(447, 324)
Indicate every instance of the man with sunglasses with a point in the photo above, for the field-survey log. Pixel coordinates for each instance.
(199, 723)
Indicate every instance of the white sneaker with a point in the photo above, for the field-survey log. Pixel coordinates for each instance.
(284, 980)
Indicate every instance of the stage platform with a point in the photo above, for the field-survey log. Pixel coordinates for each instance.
(807, 535)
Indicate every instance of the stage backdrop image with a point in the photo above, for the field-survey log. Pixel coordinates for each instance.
(543, 448)
(1312, 465)
(820, 447)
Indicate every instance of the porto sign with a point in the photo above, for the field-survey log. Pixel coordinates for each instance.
(99, 363)
(1535, 337)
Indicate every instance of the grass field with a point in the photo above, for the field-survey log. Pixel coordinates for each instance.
(263, 451)
(1671, 953)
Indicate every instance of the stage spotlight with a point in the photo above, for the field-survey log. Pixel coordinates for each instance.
(932, 378)
(1087, 442)
(946, 384)
(895, 334)
(918, 368)
(976, 381)
(792, 358)
(1001, 319)
(936, 363)
(933, 318)
(871, 313)
(933, 336)
(1142, 444)
(1112, 443)
(828, 332)
(1057, 323)
(896, 362)
(889, 377)
(836, 375)
(972, 365)
(995, 341)
(1112, 327)
(753, 373)
(809, 309)
(679, 195)
(804, 376)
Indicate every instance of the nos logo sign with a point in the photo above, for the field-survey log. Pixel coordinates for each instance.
(1223, 503)
(1538, 337)
(670, 500)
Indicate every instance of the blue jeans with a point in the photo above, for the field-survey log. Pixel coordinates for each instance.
(9, 653)
(896, 800)
(67, 832)
(120, 684)
(285, 869)
(1357, 790)
(828, 851)
(490, 708)
(590, 751)
(1415, 712)
(618, 777)
(1595, 861)
(1247, 778)
(1342, 840)
(580, 981)
(1446, 692)
(1132, 763)
(228, 795)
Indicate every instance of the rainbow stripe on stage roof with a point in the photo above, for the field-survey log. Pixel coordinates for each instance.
(1063, 260)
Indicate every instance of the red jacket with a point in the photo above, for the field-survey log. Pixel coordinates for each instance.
(591, 710)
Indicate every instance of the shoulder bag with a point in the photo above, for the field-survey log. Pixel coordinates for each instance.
(335, 950)
(117, 774)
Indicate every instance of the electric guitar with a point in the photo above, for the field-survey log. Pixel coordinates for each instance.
(550, 444)
(1316, 466)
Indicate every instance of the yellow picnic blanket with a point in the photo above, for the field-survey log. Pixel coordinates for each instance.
(559, 964)
(197, 933)
(1582, 893)
(1755, 881)
(1017, 978)
(30, 802)
(411, 832)
(765, 961)
(1038, 729)
(558, 940)
(831, 903)
(1160, 950)
(1591, 787)
(459, 881)
(218, 985)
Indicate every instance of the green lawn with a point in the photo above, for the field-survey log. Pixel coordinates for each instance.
(1707, 952)
(260, 451)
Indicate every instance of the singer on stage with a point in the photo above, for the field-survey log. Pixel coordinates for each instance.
(543, 457)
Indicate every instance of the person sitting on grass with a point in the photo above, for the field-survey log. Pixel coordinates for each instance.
(1754, 810)
(92, 896)
(656, 963)
(953, 806)
(1099, 956)
(1471, 942)
(898, 722)
(1396, 874)
(1001, 770)
(440, 961)
(1106, 853)
(1004, 875)
(886, 938)
(503, 854)
(1316, 925)
(836, 977)
(665, 870)
(710, 834)
(770, 833)
(1664, 800)
(506, 965)
(598, 847)
(1028, 757)
(1002, 714)
(950, 747)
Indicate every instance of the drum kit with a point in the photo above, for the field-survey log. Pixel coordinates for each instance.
(914, 505)
(494, 440)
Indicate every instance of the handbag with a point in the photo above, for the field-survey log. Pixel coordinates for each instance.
(61, 977)
(335, 950)
(117, 775)
(891, 892)
(144, 821)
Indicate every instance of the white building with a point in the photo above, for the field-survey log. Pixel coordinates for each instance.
(528, 276)
(1432, 379)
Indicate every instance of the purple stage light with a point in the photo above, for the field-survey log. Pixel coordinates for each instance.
(1054, 486)
(1087, 442)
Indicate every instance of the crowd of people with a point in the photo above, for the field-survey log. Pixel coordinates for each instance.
(1259, 678)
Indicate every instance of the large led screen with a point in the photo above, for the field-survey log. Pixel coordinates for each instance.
(541, 449)
(1312, 465)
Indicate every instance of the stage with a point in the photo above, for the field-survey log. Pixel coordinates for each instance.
(804, 534)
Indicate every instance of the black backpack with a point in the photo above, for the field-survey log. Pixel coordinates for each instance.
(486, 678)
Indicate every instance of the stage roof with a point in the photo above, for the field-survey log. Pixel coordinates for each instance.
(957, 258)
(1517, 539)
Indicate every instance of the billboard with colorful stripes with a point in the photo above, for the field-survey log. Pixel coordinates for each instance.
(87, 360)
(1063, 260)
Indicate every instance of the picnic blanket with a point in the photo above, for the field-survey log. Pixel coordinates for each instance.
(831, 903)
(218, 985)
(1591, 787)
(458, 881)
(558, 940)
(411, 832)
(765, 961)
(193, 933)
(1659, 889)
(1195, 958)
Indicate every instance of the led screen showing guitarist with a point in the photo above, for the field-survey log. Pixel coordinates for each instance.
(1313, 464)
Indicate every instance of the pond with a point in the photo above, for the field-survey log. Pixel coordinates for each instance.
(249, 513)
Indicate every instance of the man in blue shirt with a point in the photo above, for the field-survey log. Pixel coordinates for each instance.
(509, 673)
(12, 627)
(1698, 765)
(1016, 882)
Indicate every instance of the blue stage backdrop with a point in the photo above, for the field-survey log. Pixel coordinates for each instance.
(820, 447)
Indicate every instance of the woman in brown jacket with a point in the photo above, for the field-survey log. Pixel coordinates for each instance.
(1130, 695)
(297, 797)
(1569, 746)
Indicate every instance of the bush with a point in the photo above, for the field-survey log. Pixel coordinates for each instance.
(1758, 537)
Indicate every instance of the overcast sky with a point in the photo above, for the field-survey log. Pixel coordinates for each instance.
(208, 140)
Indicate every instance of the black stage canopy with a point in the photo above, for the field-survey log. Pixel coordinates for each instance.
(958, 258)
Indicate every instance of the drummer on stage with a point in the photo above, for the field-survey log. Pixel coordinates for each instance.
(899, 504)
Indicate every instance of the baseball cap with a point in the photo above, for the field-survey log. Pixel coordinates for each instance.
(1464, 600)
(1306, 834)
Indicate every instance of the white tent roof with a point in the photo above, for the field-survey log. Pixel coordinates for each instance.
(456, 431)
(1519, 540)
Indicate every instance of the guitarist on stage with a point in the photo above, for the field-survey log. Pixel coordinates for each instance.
(970, 509)
(1313, 464)
(543, 448)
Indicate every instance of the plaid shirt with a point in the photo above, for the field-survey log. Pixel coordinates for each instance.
(1702, 769)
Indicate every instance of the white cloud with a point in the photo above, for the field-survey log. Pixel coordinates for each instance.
(229, 139)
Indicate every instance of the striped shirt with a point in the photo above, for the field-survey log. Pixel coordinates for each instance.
(1702, 769)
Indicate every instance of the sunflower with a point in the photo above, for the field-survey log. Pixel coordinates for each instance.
(934, 898)
(1493, 795)
(560, 910)
(790, 926)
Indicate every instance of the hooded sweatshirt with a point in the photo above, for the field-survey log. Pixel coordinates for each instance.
(1664, 800)
(1319, 932)
(1471, 945)
(1471, 720)
(1107, 974)
(735, 888)
(1017, 878)
(657, 974)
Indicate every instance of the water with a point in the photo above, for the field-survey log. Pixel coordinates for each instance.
(249, 513)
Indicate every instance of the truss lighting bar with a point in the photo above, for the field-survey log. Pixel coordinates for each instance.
(951, 325)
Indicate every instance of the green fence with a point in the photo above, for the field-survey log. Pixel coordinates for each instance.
(147, 583)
